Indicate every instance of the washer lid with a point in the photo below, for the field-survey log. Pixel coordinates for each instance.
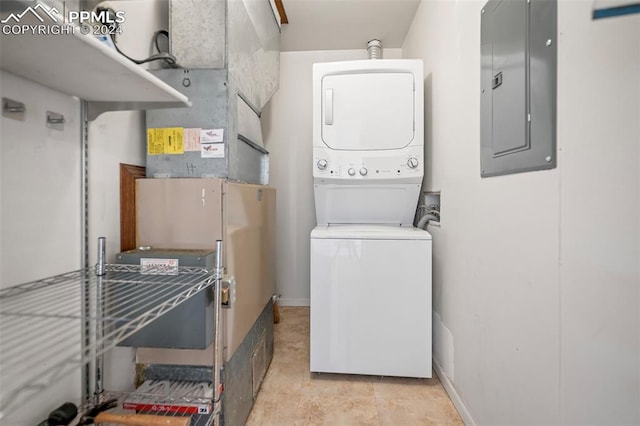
(369, 232)
(357, 202)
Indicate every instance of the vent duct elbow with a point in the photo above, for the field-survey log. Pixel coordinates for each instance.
(374, 47)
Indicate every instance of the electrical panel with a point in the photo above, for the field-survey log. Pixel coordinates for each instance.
(518, 86)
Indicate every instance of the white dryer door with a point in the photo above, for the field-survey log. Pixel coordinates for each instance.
(368, 111)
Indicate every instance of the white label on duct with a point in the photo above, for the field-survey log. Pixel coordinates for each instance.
(212, 143)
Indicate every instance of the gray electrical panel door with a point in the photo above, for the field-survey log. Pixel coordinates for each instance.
(518, 86)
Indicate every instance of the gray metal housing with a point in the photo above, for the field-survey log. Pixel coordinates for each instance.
(229, 53)
(241, 36)
(518, 86)
(189, 325)
(214, 106)
(238, 375)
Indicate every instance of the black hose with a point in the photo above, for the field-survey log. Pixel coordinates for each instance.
(61, 416)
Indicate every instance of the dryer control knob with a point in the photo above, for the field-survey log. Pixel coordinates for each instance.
(322, 164)
(412, 162)
(363, 171)
(351, 171)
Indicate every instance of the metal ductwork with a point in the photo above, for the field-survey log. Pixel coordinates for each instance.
(228, 65)
(374, 47)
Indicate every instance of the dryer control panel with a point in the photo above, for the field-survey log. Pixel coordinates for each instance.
(388, 165)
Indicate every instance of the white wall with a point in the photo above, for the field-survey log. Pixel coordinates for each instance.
(120, 137)
(41, 198)
(40, 212)
(536, 275)
(40, 185)
(114, 138)
(287, 131)
(40, 226)
(599, 143)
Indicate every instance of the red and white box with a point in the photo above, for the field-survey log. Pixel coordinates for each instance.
(174, 397)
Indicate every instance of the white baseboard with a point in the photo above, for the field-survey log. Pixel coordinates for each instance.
(284, 301)
(453, 395)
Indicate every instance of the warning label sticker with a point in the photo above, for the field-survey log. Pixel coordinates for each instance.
(192, 139)
(167, 140)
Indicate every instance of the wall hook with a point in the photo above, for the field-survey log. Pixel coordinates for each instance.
(13, 109)
(55, 121)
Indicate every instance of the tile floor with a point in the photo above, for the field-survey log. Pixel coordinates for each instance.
(291, 395)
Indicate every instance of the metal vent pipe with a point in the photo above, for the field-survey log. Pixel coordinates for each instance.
(374, 47)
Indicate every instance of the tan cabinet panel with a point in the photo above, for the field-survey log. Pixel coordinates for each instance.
(192, 214)
(250, 254)
(179, 213)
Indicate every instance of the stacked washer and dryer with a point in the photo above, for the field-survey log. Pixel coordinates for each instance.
(370, 268)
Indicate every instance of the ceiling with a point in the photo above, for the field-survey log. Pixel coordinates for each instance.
(345, 24)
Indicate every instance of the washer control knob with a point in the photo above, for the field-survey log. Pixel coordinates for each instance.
(322, 164)
(412, 163)
(351, 171)
(363, 171)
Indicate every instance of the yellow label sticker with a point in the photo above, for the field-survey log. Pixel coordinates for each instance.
(154, 145)
(168, 140)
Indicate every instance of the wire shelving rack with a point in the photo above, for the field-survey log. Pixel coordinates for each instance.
(53, 326)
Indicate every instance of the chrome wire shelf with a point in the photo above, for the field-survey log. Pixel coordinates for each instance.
(167, 399)
(42, 322)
